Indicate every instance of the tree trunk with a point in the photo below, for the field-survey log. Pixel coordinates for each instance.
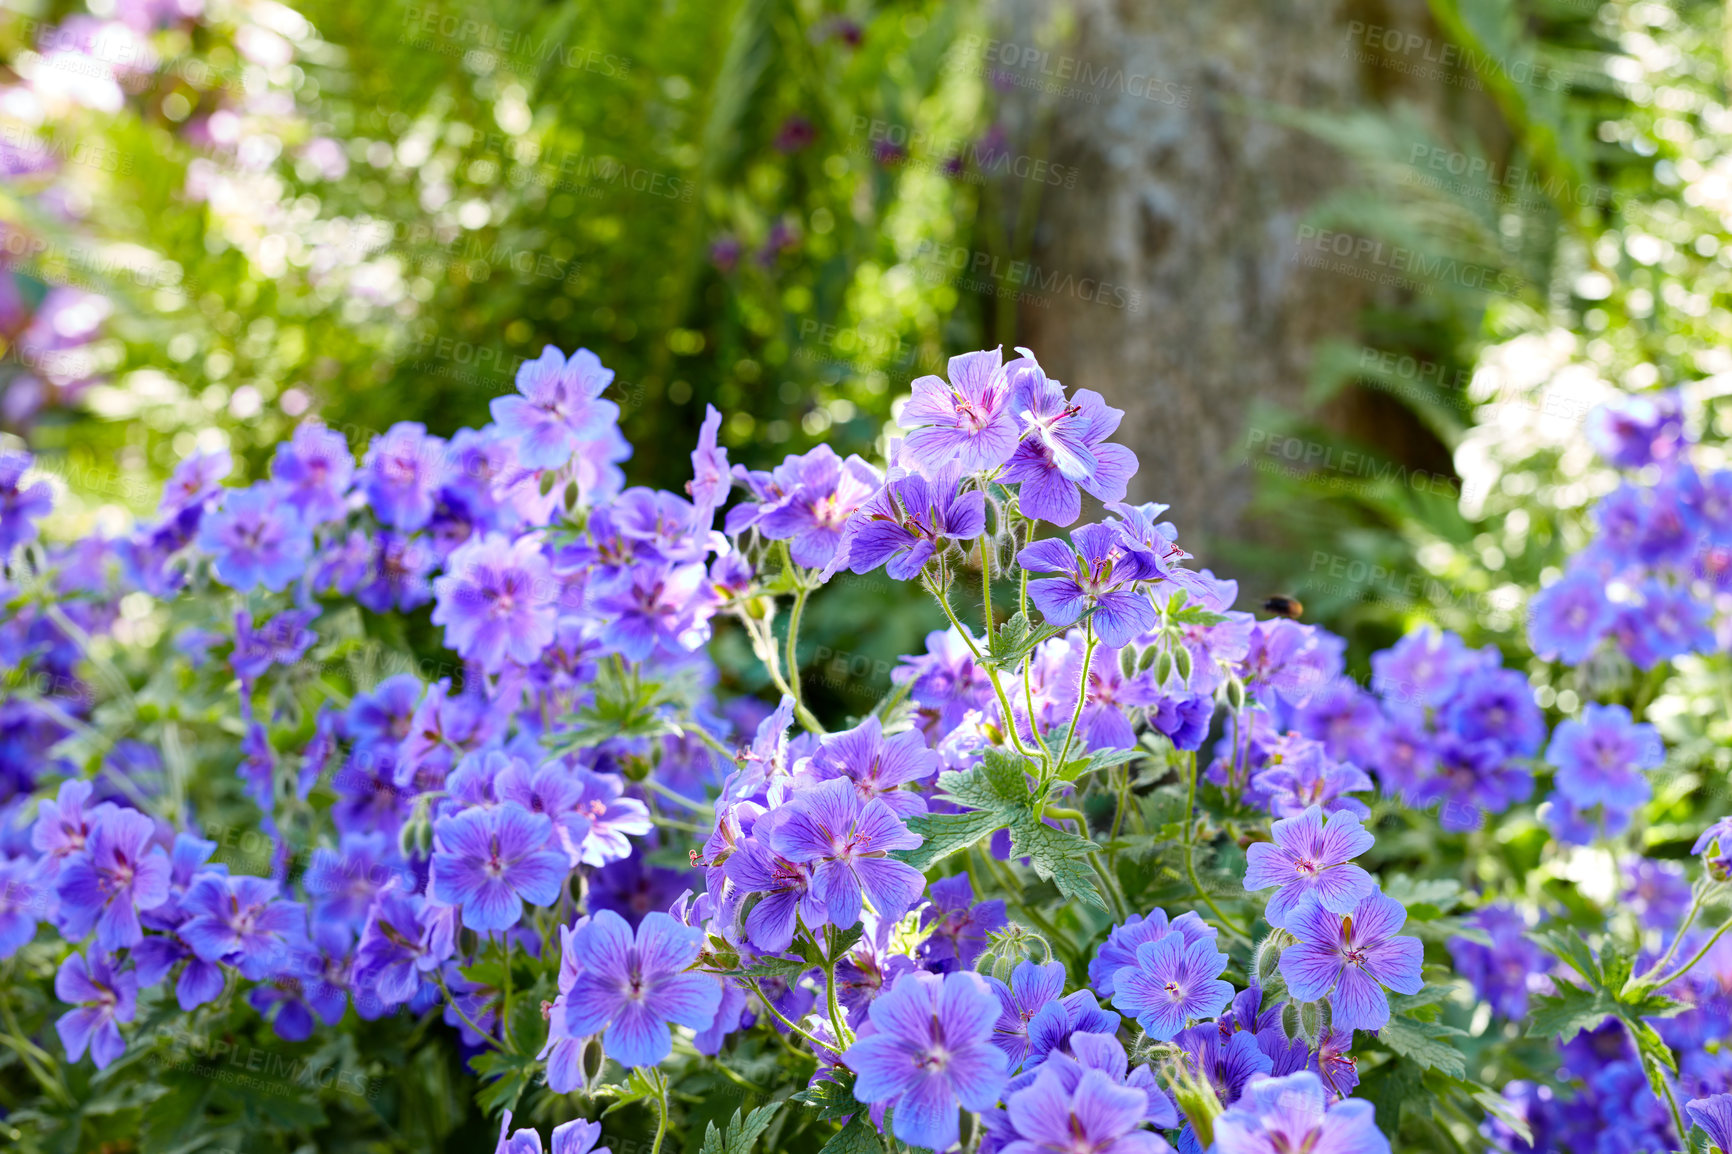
(1190, 198)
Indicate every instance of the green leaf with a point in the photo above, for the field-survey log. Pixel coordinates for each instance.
(1423, 1043)
(504, 1076)
(947, 833)
(637, 1088)
(1196, 615)
(1100, 759)
(1500, 1108)
(1007, 774)
(832, 1098)
(742, 1133)
(857, 1137)
(1059, 856)
(773, 967)
(1571, 1009)
(1015, 639)
(1570, 949)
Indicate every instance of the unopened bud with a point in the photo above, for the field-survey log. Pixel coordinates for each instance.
(1182, 662)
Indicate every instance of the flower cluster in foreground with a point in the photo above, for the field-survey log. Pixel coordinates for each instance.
(570, 807)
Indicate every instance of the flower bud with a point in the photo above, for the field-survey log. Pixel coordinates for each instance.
(1163, 667)
(1182, 662)
(1009, 948)
(1128, 661)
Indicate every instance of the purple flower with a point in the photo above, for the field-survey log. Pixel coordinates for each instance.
(1172, 982)
(26, 897)
(402, 473)
(282, 640)
(194, 481)
(1638, 429)
(1062, 449)
(826, 493)
(394, 573)
(596, 829)
(104, 999)
(1601, 755)
(1495, 704)
(1305, 776)
(63, 825)
(1669, 623)
(1097, 1115)
(655, 605)
(1120, 948)
(1311, 855)
(1351, 958)
(118, 874)
(240, 920)
(559, 409)
(491, 861)
(314, 469)
(848, 843)
(1714, 1116)
(711, 477)
(1567, 618)
(496, 601)
(959, 927)
(1228, 1058)
(256, 537)
(967, 421)
(1716, 846)
(1500, 972)
(629, 988)
(1032, 989)
(1285, 1115)
(398, 945)
(786, 885)
(1422, 668)
(1100, 571)
(1296, 661)
(908, 521)
(930, 1049)
(20, 505)
(878, 766)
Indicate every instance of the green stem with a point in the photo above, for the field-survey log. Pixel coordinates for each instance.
(505, 1003)
(1696, 957)
(661, 1111)
(452, 1002)
(29, 1051)
(1227, 923)
(1082, 686)
(678, 798)
(800, 710)
(768, 1005)
(1678, 938)
(997, 687)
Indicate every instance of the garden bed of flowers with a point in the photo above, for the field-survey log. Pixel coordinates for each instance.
(408, 769)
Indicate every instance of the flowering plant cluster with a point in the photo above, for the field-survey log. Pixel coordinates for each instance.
(1007, 909)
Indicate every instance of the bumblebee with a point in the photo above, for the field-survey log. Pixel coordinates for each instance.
(1288, 607)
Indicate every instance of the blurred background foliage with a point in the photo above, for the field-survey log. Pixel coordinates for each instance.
(221, 218)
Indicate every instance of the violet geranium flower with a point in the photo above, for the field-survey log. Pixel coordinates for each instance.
(967, 421)
(628, 988)
(103, 998)
(848, 841)
(559, 407)
(1063, 449)
(1311, 855)
(903, 524)
(1172, 982)
(240, 920)
(496, 601)
(1096, 1114)
(491, 861)
(1351, 958)
(931, 1050)
(118, 874)
(256, 538)
(1099, 574)
(1600, 757)
(1278, 1115)
(402, 473)
(1714, 1115)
